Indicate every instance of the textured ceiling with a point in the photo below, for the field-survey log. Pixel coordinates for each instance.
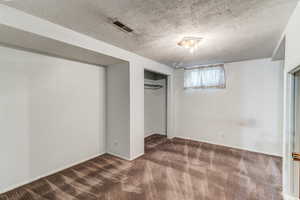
(233, 30)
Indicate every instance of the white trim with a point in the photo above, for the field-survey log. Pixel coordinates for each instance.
(170, 137)
(230, 146)
(119, 155)
(290, 185)
(137, 156)
(124, 157)
(170, 106)
(288, 197)
(48, 174)
(152, 133)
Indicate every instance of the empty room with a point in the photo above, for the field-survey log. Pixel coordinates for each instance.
(149, 100)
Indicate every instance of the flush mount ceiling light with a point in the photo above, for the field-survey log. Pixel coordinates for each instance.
(191, 43)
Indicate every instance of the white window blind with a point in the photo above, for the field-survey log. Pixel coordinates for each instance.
(205, 77)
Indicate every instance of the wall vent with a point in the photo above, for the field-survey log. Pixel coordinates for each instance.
(122, 26)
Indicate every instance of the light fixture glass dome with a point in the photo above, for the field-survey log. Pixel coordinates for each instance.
(191, 43)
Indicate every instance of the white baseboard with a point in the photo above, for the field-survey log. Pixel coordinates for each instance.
(230, 146)
(118, 155)
(47, 174)
(170, 136)
(288, 197)
(125, 157)
(155, 133)
(137, 156)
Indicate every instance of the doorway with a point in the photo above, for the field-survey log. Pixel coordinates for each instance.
(291, 166)
(155, 109)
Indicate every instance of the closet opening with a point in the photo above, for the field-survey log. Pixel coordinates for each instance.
(155, 107)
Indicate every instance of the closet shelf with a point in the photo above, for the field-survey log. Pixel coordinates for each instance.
(151, 86)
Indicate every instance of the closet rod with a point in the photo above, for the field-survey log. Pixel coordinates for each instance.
(152, 86)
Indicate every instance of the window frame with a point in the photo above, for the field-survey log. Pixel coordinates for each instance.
(220, 86)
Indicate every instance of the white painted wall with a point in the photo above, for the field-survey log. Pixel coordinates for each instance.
(247, 114)
(14, 121)
(52, 115)
(118, 110)
(14, 18)
(155, 109)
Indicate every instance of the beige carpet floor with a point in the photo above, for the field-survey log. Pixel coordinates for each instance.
(174, 169)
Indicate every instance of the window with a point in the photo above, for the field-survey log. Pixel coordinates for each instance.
(205, 77)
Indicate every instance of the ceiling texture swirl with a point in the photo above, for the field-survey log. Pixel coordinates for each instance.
(232, 30)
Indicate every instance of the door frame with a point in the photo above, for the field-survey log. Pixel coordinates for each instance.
(169, 101)
(291, 172)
